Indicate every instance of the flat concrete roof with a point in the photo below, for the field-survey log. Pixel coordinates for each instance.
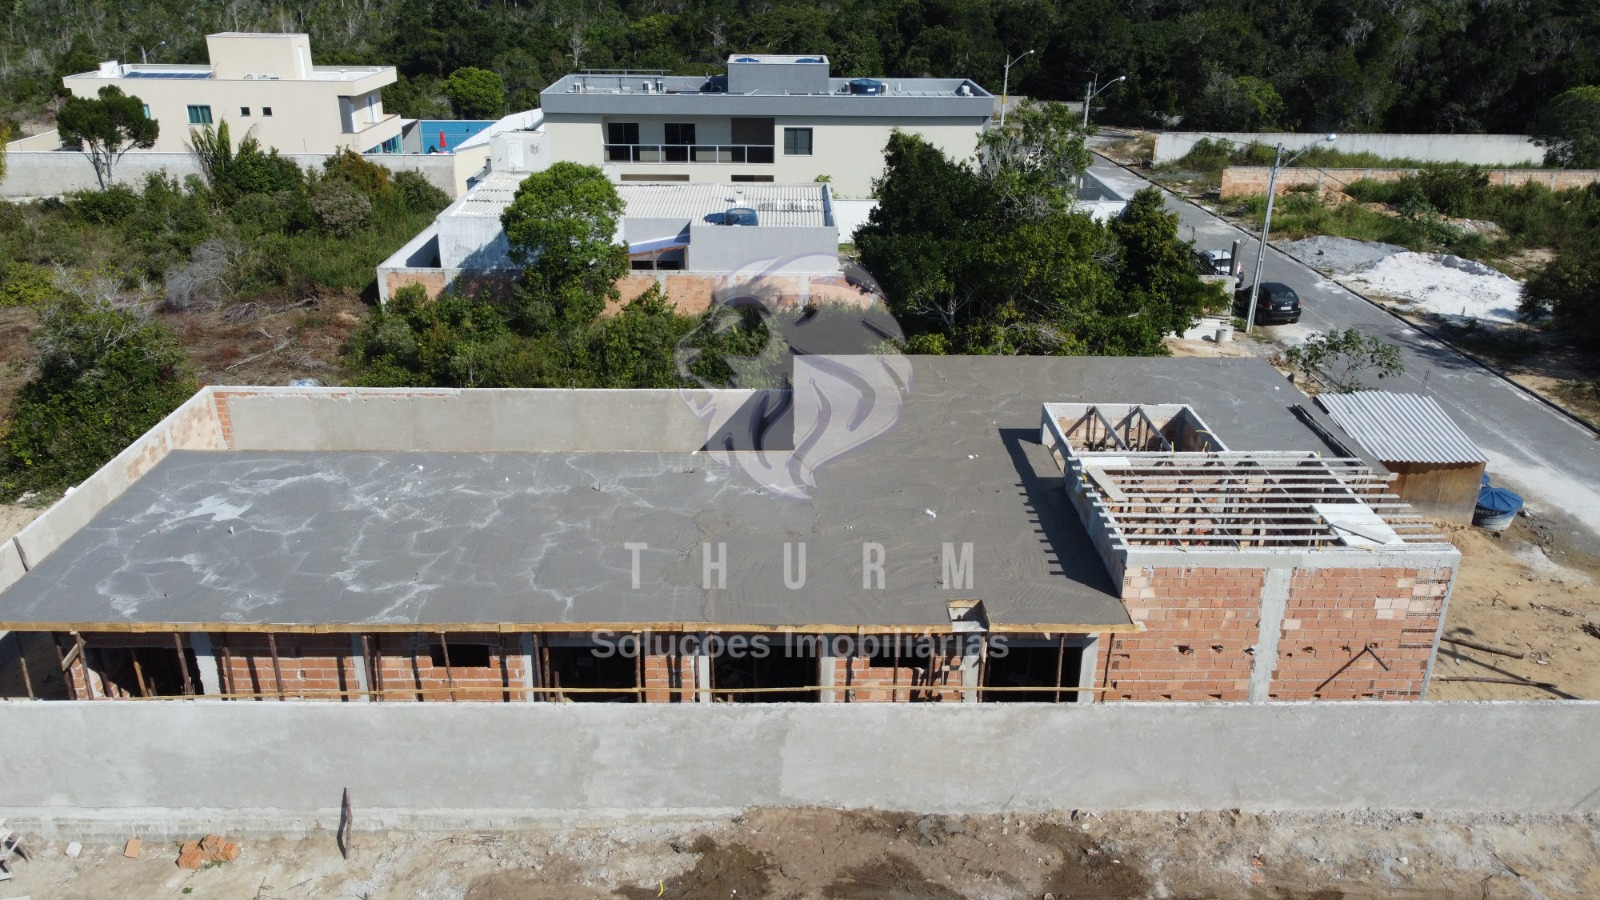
(235, 540)
(777, 205)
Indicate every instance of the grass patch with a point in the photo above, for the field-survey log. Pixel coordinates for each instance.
(1503, 344)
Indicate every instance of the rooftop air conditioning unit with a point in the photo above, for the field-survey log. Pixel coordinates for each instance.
(249, 77)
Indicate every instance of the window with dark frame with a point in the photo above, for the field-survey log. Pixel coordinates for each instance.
(797, 142)
(244, 112)
(199, 115)
(266, 110)
(622, 132)
(680, 133)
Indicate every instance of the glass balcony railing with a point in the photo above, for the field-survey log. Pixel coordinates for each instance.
(687, 153)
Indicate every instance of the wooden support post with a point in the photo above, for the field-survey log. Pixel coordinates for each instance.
(894, 695)
(183, 664)
(83, 665)
(378, 683)
(138, 675)
(277, 667)
(638, 668)
(1061, 661)
(27, 680)
(227, 667)
(61, 660)
(366, 664)
(449, 677)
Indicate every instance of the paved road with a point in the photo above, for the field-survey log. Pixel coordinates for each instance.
(1552, 461)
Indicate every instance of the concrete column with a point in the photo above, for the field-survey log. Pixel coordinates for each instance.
(702, 672)
(359, 654)
(1088, 668)
(1274, 600)
(827, 670)
(530, 672)
(970, 659)
(205, 658)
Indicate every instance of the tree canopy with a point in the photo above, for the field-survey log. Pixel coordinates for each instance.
(1569, 129)
(106, 127)
(476, 93)
(561, 226)
(994, 259)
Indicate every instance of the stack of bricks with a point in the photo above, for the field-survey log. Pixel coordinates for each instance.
(211, 848)
(1359, 633)
(1200, 625)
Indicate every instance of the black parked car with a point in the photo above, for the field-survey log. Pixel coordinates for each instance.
(1277, 305)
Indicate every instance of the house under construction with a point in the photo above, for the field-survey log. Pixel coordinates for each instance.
(1038, 529)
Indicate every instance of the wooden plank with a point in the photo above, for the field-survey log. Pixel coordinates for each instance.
(449, 676)
(277, 667)
(183, 665)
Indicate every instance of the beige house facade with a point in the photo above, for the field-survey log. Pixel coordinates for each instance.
(261, 84)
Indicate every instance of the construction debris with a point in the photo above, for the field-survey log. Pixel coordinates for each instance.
(74, 849)
(131, 849)
(212, 848)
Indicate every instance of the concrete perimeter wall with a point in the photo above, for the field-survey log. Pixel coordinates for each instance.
(109, 770)
(1478, 149)
(1246, 180)
(47, 173)
(472, 421)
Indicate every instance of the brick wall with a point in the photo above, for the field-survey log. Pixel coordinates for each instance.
(1358, 633)
(857, 680)
(1347, 633)
(1248, 180)
(1200, 624)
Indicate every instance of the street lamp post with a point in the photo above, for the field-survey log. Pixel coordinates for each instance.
(144, 56)
(1278, 162)
(1005, 84)
(1089, 93)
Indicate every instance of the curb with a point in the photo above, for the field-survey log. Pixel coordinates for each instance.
(1427, 330)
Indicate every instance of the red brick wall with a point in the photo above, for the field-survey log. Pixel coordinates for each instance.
(1199, 626)
(1343, 626)
(856, 680)
(314, 666)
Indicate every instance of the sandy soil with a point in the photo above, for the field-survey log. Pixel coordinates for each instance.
(1519, 592)
(1235, 347)
(871, 856)
(13, 517)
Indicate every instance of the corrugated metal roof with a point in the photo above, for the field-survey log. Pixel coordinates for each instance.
(776, 205)
(1401, 427)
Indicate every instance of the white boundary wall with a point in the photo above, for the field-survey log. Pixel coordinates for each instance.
(1475, 149)
(48, 173)
(103, 769)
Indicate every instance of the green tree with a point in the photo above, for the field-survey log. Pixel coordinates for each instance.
(106, 128)
(1155, 269)
(247, 170)
(1567, 293)
(1341, 358)
(1242, 103)
(1569, 129)
(476, 93)
(561, 227)
(1034, 163)
(104, 376)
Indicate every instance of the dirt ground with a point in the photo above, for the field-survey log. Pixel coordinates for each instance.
(13, 517)
(810, 853)
(1520, 593)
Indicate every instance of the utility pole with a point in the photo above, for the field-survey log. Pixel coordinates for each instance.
(1278, 162)
(1089, 93)
(1005, 85)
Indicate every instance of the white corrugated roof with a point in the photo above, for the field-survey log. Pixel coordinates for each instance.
(776, 205)
(1401, 427)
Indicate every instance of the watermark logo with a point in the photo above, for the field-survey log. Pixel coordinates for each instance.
(829, 375)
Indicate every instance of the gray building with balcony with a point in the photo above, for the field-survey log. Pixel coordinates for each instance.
(777, 119)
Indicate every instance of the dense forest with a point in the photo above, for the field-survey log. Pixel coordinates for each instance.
(1346, 65)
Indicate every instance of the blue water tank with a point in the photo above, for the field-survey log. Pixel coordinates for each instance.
(866, 87)
(740, 215)
(747, 59)
(808, 59)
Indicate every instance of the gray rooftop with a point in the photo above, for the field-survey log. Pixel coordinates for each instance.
(235, 539)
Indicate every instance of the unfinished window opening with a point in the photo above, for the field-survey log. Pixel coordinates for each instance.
(784, 675)
(1054, 670)
(462, 656)
(590, 673)
(145, 671)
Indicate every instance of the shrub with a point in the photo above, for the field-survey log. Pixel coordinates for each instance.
(417, 194)
(340, 206)
(106, 207)
(104, 376)
(348, 165)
